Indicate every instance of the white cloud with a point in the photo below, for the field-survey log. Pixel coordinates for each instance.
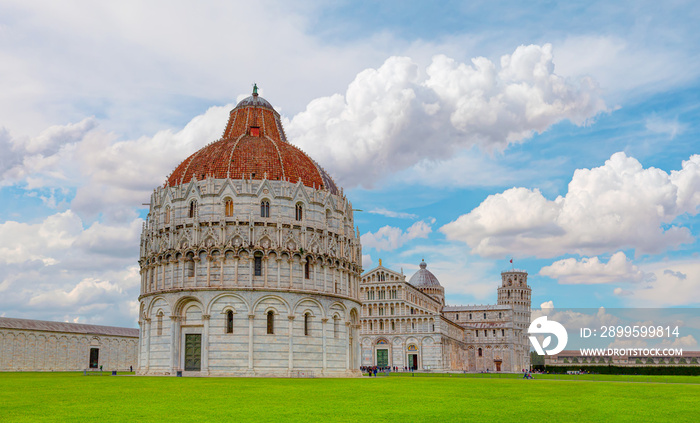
(388, 238)
(88, 292)
(667, 289)
(625, 65)
(575, 319)
(394, 214)
(387, 115)
(616, 206)
(669, 127)
(367, 261)
(590, 270)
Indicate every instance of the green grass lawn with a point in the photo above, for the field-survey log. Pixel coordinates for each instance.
(71, 397)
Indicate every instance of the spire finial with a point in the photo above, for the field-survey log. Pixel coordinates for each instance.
(255, 89)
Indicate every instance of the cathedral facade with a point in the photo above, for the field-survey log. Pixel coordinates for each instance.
(250, 262)
(406, 324)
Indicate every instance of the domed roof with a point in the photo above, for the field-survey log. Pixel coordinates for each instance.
(253, 146)
(423, 277)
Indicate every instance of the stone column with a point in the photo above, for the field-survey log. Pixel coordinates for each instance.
(325, 278)
(196, 261)
(347, 350)
(251, 319)
(147, 334)
(205, 344)
(221, 269)
(209, 259)
(251, 260)
(174, 343)
(279, 272)
(140, 351)
(291, 272)
(173, 274)
(323, 331)
(265, 264)
(315, 277)
(357, 346)
(235, 270)
(182, 272)
(291, 342)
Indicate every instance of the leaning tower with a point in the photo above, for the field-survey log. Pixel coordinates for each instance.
(515, 292)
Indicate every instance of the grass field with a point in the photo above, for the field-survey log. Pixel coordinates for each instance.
(62, 397)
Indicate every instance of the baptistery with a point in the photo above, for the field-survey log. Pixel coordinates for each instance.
(250, 262)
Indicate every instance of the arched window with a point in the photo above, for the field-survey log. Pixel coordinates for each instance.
(166, 218)
(370, 325)
(258, 266)
(480, 352)
(393, 326)
(470, 316)
(299, 211)
(264, 208)
(477, 333)
(500, 314)
(228, 207)
(190, 267)
(457, 316)
(270, 322)
(336, 326)
(381, 311)
(160, 324)
(486, 333)
(193, 208)
(392, 310)
(307, 269)
(307, 324)
(503, 332)
(370, 311)
(229, 321)
(381, 325)
(484, 315)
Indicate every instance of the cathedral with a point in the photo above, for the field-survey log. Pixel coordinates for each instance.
(406, 324)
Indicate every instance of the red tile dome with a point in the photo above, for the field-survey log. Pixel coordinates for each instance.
(253, 146)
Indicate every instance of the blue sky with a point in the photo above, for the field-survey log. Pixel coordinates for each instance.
(561, 135)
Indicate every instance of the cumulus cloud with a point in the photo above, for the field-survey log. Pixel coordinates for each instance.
(58, 269)
(388, 115)
(388, 238)
(576, 319)
(367, 261)
(590, 270)
(34, 156)
(613, 207)
(679, 275)
(88, 292)
(668, 288)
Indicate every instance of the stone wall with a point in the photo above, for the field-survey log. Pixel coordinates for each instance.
(26, 350)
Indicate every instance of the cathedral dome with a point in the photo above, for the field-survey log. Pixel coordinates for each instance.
(253, 146)
(423, 277)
